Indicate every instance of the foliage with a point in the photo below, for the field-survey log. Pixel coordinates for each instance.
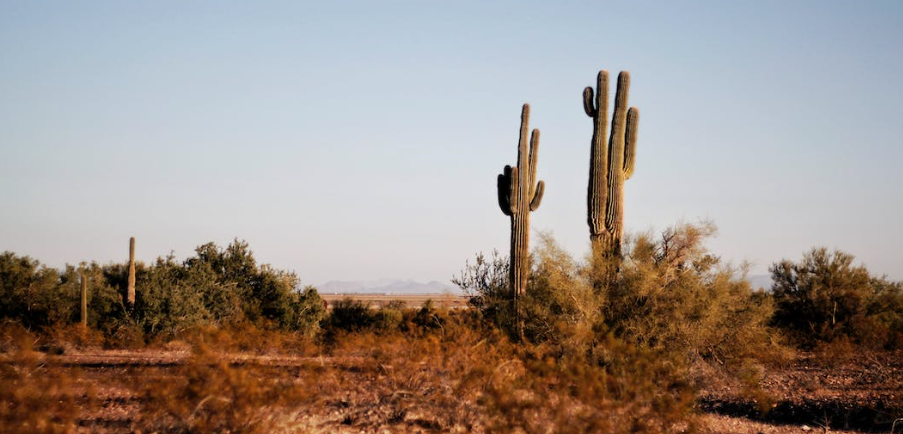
(209, 395)
(349, 316)
(672, 294)
(214, 287)
(486, 282)
(36, 396)
(825, 296)
(466, 377)
(354, 316)
(40, 296)
(561, 306)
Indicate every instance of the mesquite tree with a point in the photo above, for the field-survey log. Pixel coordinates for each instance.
(518, 195)
(612, 162)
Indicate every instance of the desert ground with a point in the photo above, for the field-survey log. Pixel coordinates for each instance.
(116, 388)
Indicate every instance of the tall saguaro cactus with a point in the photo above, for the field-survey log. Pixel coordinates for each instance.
(612, 162)
(518, 195)
(84, 312)
(130, 292)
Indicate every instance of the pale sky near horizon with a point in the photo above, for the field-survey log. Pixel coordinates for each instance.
(358, 140)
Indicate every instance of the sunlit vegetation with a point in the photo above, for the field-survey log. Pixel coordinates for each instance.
(220, 343)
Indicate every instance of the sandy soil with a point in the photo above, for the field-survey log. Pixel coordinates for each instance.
(857, 394)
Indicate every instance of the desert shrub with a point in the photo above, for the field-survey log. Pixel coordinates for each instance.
(353, 316)
(672, 311)
(824, 297)
(212, 288)
(560, 306)
(468, 377)
(426, 319)
(218, 287)
(39, 296)
(28, 291)
(390, 316)
(486, 282)
(672, 294)
(171, 299)
(208, 394)
(247, 337)
(266, 294)
(37, 396)
(349, 315)
(105, 303)
(632, 390)
(61, 338)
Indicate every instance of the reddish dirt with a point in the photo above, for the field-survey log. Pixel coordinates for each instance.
(840, 391)
(859, 393)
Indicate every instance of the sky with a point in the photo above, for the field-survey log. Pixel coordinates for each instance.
(355, 140)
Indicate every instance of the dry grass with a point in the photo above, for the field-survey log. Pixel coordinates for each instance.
(457, 378)
(209, 394)
(36, 395)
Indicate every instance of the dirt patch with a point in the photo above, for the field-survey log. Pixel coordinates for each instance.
(809, 395)
(856, 391)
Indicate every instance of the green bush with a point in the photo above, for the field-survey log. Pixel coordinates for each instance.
(486, 282)
(349, 315)
(824, 297)
(29, 291)
(214, 287)
(670, 296)
(673, 294)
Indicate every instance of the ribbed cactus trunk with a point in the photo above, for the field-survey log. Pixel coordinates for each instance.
(130, 291)
(612, 161)
(518, 195)
(84, 312)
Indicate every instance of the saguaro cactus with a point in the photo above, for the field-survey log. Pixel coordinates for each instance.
(518, 195)
(84, 318)
(612, 162)
(130, 292)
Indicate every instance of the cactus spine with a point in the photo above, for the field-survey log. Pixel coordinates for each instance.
(518, 195)
(130, 292)
(84, 317)
(612, 162)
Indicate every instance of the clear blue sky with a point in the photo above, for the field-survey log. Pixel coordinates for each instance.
(352, 140)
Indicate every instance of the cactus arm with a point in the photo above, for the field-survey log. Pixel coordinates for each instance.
(534, 155)
(512, 198)
(537, 196)
(588, 102)
(633, 118)
(504, 192)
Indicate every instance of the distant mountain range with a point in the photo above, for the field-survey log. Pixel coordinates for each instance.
(386, 286)
(760, 281)
(408, 286)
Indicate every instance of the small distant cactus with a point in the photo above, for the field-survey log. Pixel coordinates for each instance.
(612, 162)
(518, 195)
(130, 292)
(84, 300)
